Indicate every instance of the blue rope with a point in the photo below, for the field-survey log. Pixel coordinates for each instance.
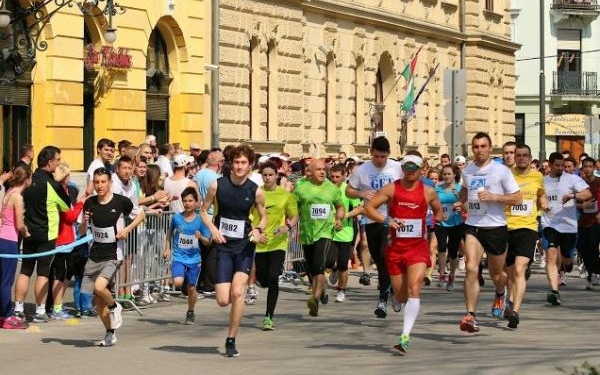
(61, 249)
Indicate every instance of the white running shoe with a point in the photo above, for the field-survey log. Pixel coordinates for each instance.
(116, 319)
(341, 296)
(110, 339)
(461, 263)
(396, 305)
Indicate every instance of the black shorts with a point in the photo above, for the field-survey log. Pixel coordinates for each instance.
(493, 240)
(319, 256)
(43, 263)
(521, 242)
(565, 241)
(233, 257)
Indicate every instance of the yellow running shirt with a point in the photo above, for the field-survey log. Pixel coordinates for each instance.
(279, 204)
(525, 214)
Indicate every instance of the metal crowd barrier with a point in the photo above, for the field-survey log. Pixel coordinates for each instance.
(143, 262)
(294, 266)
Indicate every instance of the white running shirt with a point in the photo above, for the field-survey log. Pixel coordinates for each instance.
(368, 177)
(562, 217)
(495, 178)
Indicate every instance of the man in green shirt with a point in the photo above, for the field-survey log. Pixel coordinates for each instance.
(321, 213)
(344, 239)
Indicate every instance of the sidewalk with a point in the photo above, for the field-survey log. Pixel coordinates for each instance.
(346, 338)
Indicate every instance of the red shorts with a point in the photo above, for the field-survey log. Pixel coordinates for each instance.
(398, 259)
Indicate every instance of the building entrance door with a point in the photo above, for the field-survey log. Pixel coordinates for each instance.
(575, 145)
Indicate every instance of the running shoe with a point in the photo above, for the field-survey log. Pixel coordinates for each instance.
(20, 314)
(268, 324)
(78, 313)
(40, 318)
(381, 310)
(164, 297)
(341, 296)
(189, 318)
(480, 276)
(313, 306)
(402, 345)
(230, 350)
(110, 339)
(461, 263)
(582, 271)
(88, 314)
(553, 299)
(567, 267)
(61, 315)
(451, 282)
(324, 297)
(365, 279)
(396, 305)
(116, 319)
(252, 292)
(528, 273)
(249, 300)
(513, 319)
(498, 306)
(427, 280)
(441, 281)
(13, 322)
(469, 324)
(562, 281)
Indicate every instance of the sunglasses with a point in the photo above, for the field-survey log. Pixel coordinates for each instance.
(410, 167)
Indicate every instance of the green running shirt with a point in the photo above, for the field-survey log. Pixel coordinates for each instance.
(316, 204)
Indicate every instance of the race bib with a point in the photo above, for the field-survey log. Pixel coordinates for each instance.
(591, 209)
(411, 228)
(232, 228)
(187, 242)
(475, 206)
(447, 209)
(523, 209)
(319, 211)
(104, 235)
(554, 200)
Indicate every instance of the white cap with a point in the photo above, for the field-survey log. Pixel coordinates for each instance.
(356, 158)
(181, 160)
(460, 159)
(279, 156)
(150, 138)
(412, 159)
(194, 146)
(263, 159)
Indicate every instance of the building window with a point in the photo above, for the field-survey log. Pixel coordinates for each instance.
(157, 88)
(520, 128)
(359, 101)
(489, 5)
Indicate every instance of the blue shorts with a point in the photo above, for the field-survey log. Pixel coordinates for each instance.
(189, 272)
(232, 258)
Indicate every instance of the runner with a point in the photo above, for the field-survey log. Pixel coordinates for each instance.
(234, 195)
(321, 212)
(364, 182)
(588, 237)
(487, 187)
(522, 230)
(451, 230)
(104, 214)
(407, 254)
(343, 239)
(186, 236)
(559, 222)
(280, 205)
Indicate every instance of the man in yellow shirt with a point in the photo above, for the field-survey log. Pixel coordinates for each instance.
(522, 230)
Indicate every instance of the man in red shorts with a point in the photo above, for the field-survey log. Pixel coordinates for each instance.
(407, 254)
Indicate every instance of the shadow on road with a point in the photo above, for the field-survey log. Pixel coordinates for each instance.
(189, 349)
(70, 342)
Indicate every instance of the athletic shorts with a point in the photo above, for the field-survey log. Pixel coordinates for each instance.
(398, 259)
(189, 272)
(43, 263)
(493, 240)
(565, 241)
(521, 242)
(106, 269)
(319, 256)
(233, 257)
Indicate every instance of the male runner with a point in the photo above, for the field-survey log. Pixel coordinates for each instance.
(104, 214)
(233, 196)
(588, 236)
(407, 254)
(487, 188)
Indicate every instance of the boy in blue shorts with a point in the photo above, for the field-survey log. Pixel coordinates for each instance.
(186, 235)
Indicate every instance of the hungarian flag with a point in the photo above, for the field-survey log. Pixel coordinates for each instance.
(409, 75)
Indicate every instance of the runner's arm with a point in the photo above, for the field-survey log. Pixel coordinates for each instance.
(434, 202)
(208, 201)
(383, 196)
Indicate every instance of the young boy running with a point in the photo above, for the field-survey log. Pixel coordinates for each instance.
(184, 238)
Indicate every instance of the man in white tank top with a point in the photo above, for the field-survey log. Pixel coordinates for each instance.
(175, 184)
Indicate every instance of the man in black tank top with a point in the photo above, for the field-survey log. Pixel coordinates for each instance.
(233, 196)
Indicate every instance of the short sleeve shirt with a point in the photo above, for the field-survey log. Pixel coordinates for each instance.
(185, 246)
(279, 204)
(562, 217)
(317, 206)
(525, 214)
(347, 232)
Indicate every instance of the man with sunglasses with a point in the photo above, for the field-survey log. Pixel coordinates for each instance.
(407, 253)
(488, 187)
(364, 182)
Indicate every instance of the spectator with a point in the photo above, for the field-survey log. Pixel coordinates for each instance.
(106, 151)
(195, 150)
(166, 153)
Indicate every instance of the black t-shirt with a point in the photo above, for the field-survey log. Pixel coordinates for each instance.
(106, 220)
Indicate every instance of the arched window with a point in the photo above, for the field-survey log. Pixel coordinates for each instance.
(158, 80)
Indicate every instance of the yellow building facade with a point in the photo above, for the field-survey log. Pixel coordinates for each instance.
(328, 72)
(82, 88)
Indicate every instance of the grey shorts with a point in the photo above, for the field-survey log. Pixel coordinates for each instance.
(93, 270)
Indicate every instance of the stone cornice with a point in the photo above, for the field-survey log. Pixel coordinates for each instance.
(485, 40)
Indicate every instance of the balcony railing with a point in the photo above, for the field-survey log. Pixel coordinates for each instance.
(575, 83)
(580, 5)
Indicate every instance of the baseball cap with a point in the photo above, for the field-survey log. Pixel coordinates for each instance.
(412, 159)
(194, 146)
(279, 156)
(356, 159)
(460, 159)
(181, 160)
(263, 159)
